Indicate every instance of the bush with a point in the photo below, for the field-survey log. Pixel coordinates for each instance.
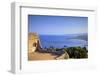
(76, 52)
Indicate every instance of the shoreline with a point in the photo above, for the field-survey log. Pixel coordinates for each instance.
(37, 52)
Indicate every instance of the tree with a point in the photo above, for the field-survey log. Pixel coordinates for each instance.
(76, 52)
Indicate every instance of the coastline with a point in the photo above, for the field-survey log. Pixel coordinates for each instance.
(37, 52)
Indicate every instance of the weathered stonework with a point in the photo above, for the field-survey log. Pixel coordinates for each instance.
(32, 42)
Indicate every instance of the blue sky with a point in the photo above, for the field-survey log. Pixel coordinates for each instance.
(57, 25)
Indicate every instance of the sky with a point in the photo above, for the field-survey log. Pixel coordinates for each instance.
(57, 25)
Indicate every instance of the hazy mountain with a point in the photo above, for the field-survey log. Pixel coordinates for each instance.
(82, 36)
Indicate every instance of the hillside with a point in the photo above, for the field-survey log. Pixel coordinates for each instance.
(83, 37)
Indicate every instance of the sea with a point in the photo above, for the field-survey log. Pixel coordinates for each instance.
(60, 41)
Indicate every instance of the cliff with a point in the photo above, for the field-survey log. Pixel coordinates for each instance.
(32, 42)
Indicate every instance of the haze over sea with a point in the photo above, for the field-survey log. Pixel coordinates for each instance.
(60, 41)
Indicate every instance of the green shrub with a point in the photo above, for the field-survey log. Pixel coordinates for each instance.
(76, 52)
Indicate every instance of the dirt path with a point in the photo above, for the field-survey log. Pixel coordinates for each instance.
(40, 56)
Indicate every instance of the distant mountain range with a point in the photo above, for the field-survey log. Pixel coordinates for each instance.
(82, 36)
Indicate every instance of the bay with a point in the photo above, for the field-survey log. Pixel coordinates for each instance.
(60, 41)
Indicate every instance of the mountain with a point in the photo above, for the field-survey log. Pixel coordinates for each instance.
(82, 36)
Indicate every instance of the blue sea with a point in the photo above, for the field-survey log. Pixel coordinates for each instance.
(59, 41)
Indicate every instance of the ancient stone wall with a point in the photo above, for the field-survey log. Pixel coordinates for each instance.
(32, 41)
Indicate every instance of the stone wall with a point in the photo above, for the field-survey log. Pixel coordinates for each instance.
(32, 41)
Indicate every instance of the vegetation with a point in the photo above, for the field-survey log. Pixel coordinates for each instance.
(77, 52)
(73, 52)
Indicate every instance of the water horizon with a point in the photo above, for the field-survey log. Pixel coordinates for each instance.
(68, 40)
